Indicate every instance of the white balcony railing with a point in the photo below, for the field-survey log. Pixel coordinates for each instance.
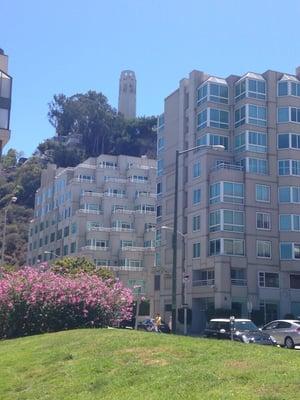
(132, 248)
(228, 166)
(85, 211)
(92, 194)
(204, 282)
(123, 211)
(94, 248)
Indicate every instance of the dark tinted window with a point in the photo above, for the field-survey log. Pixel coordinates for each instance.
(283, 325)
(271, 325)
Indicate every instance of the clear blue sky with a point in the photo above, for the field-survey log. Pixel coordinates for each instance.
(71, 46)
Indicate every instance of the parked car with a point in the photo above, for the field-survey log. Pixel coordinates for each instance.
(244, 331)
(285, 331)
(149, 326)
(127, 323)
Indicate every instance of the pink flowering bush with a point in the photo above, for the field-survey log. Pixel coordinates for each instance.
(36, 301)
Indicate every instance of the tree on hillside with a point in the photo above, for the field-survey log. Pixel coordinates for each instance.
(101, 128)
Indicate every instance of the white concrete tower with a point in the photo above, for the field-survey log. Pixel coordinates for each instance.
(127, 94)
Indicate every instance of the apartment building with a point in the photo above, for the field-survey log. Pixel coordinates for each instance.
(5, 100)
(238, 239)
(104, 209)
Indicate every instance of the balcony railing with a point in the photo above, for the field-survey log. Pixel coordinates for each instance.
(81, 180)
(132, 248)
(85, 211)
(123, 211)
(99, 228)
(233, 167)
(94, 248)
(239, 282)
(117, 229)
(205, 282)
(115, 179)
(92, 194)
(128, 268)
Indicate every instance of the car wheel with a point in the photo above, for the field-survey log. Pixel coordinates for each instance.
(289, 343)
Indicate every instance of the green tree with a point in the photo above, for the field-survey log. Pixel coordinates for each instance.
(76, 265)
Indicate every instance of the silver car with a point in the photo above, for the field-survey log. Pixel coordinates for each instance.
(285, 331)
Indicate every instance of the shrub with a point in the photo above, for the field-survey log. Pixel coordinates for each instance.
(36, 301)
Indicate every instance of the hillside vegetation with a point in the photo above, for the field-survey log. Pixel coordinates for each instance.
(85, 126)
(123, 364)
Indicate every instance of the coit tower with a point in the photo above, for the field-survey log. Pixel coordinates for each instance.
(127, 94)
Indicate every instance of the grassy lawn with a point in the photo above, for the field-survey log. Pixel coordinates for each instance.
(123, 364)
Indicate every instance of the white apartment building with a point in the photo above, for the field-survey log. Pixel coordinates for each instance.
(5, 100)
(105, 209)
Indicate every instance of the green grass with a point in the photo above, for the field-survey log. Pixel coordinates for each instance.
(123, 364)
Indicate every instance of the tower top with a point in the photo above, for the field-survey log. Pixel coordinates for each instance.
(127, 94)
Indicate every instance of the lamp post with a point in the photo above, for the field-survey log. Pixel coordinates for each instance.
(12, 200)
(174, 241)
(184, 279)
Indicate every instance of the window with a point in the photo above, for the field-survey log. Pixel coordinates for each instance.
(289, 167)
(288, 114)
(158, 211)
(226, 220)
(268, 279)
(250, 114)
(213, 117)
(262, 193)
(196, 223)
(289, 251)
(73, 247)
(126, 243)
(282, 88)
(66, 231)
(227, 192)
(288, 222)
(213, 92)
(218, 118)
(97, 243)
(157, 260)
(240, 116)
(59, 234)
(196, 196)
(196, 170)
(256, 166)
(212, 140)
(73, 228)
(156, 282)
(286, 88)
(289, 194)
(294, 281)
(231, 247)
(251, 141)
(203, 277)
(263, 221)
(288, 141)
(238, 277)
(254, 88)
(52, 237)
(159, 188)
(160, 167)
(196, 250)
(65, 250)
(263, 249)
(202, 119)
(160, 144)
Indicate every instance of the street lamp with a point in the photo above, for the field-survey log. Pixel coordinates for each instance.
(12, 200)
(174, 241)
(183, 301)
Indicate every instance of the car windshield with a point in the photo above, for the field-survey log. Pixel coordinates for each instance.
(245, 326)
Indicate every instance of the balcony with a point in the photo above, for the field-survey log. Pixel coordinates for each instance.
(115, 179)
(91, 194)
(94, 248)
(98, 229)
(228, 166)
(81, 180)
(239, 282)
(206, 282)
(123, 211)
(133, 248)
(128, 268)
(85, 211)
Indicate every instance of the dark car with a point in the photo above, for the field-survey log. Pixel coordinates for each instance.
(244, 330)
(127, 323)
(148, 325)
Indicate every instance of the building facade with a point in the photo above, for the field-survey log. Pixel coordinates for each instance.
(104, 209)
(127, 94)
(238, 197)
(5, 100)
